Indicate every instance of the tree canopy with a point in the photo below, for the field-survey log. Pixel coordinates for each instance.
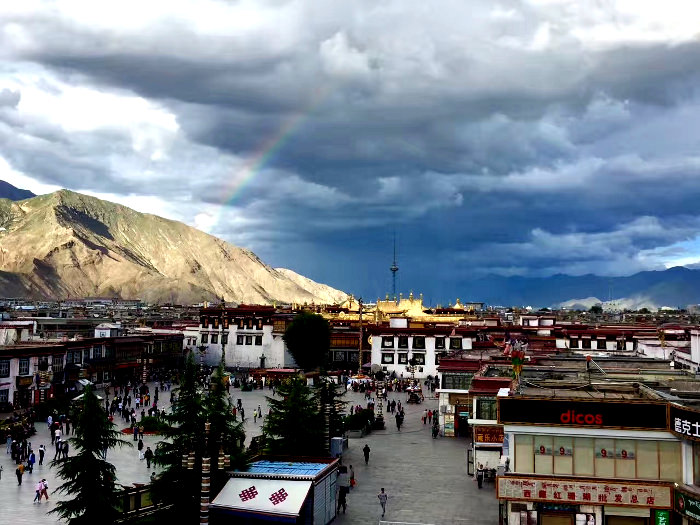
(87, 476)
(308, 339)
(294, 425)
(186, 435)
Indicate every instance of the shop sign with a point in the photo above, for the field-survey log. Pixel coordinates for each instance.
(574, 492)
(24, 381)
(488, 434)
(587, 414)
(687, 506)
(663, 517)
(685, 422)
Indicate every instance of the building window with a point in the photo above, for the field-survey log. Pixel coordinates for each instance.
(419, 359)
(57, 362)
(259, 324)
(241, 323)
(602, 344)
(573, 343)
(24, 366)
(438, 356)
(403, 341)
(586, 343)
(214, 339)
(224, 338)
(4, 395)
(96, 352)
(599, 457)
(455, 343)
(388, 359)
(239, 339)
(249, 323)
(4, 368)
(387, 342)
(258, 340)
(486, 408)
(440, 342)
(105, 375)
(205, 338)
(249, 339)
(457, 380)
(419, 342)
(403, 358)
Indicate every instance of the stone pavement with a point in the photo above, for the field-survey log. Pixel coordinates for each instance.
(425, 478)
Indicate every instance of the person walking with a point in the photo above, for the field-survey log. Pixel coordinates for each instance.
(480, 475)
(31, 460)
(42, 451)
(140, 448)
(19, 472)
(149, 456)
(365, 451)
(342, 501)
(352, 477)
(57, 455)
(9, 443)
(383, 496)
(425, 416)
(44, 490)
(38, 487)
(65, 449)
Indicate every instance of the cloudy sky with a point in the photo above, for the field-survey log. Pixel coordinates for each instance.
(513, 137)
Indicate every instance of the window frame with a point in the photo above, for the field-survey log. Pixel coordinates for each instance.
(23, 364)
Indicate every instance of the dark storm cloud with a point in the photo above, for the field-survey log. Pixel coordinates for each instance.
(509, 137)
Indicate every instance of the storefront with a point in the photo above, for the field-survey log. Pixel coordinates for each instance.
(594, 461)
(684, 422)
(549, 500)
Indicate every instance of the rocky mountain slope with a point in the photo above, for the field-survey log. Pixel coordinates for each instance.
(66, 244)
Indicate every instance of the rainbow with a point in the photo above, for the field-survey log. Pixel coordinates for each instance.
(270, 147)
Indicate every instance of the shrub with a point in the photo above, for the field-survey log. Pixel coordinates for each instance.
(359, 420)
(153, 424)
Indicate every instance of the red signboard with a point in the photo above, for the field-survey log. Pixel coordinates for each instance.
(488, 434)
(575, 492)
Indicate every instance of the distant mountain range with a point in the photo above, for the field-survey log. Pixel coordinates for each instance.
(675, 287)
(8, 191)
(66, 244)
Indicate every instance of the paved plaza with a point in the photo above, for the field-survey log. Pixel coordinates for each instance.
(425, 478)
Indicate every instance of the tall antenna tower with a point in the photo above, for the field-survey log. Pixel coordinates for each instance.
(394, 268)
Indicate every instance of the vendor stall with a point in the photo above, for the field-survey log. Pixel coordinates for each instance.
(282, 490)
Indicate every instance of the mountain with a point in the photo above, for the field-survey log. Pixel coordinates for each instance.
(674, 287)
(8, 191)
(66, 244)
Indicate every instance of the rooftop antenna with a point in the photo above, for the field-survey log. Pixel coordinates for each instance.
(394, 268)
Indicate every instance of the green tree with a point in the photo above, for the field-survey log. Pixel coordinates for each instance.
(294, 425)
(225, 434)
(87, 476)
(178, 485)
(308, 339)
(596, 309)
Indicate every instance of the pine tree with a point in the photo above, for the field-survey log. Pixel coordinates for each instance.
(177, 485)
(294, 425)
(87, 475)
(225, 432)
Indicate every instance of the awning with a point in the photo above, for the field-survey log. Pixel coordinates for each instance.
(268, 496)
(80, 397)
